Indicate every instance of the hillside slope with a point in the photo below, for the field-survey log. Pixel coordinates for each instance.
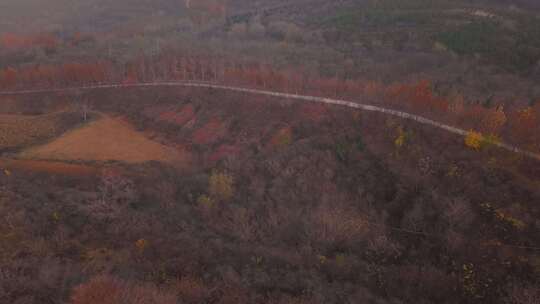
(286, 202)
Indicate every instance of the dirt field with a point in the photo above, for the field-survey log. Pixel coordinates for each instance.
(17, 131)
(104, 140)
(9, 166)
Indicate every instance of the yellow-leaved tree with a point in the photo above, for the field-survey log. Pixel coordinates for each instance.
(221, 186)
(474, 140)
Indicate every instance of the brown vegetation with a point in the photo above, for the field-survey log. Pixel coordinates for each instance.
(110, 290)
(18, 131)
(335, 204)
(210, 132)
(283, 201)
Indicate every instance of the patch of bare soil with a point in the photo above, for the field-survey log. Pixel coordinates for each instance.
(107, 139)
(10, 166)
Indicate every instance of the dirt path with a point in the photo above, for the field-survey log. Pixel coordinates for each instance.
(364, 107)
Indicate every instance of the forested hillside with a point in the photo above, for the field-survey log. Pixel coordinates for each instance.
(280, 152)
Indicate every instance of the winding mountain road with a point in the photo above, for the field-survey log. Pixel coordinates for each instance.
(349, 104)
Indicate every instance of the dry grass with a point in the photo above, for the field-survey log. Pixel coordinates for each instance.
(17, 131)
(105, 140)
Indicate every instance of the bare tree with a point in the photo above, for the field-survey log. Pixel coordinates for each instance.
(81, 104)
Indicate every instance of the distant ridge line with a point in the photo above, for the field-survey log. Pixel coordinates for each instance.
(350, 104)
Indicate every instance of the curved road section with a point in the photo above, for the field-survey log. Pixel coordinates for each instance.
(349, 104)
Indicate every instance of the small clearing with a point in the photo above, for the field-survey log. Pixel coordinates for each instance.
(107, 139)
